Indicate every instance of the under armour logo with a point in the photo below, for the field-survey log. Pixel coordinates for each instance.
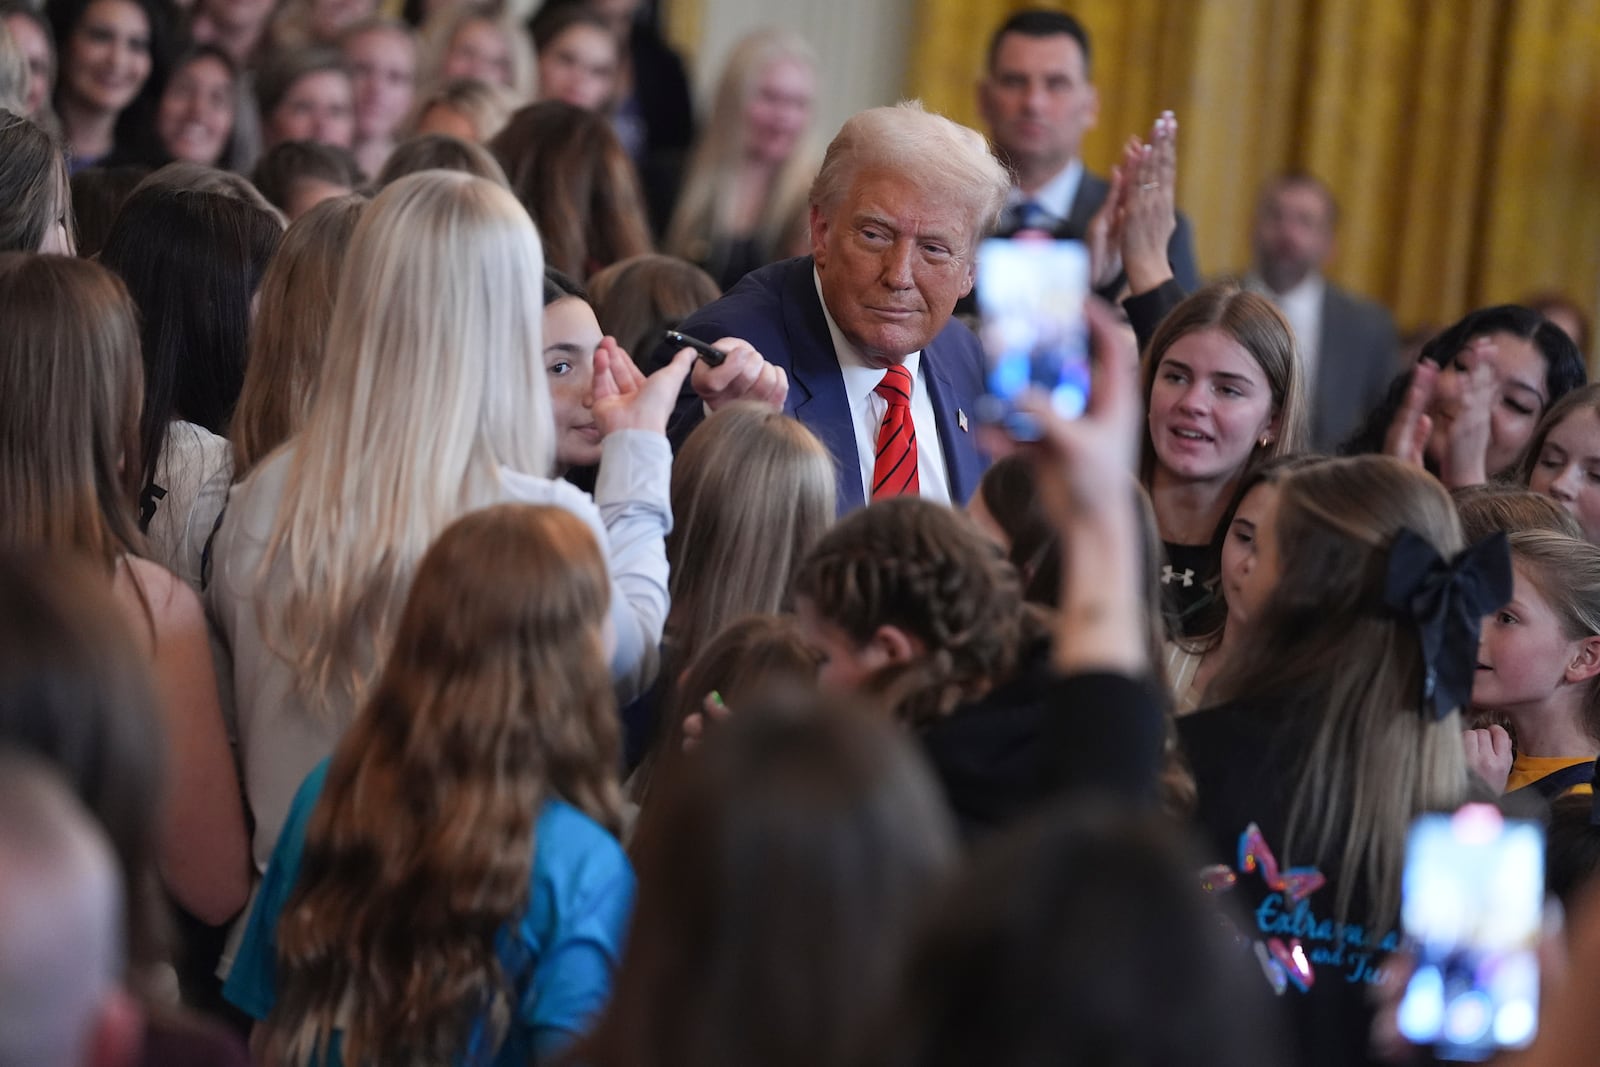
(1168, 576)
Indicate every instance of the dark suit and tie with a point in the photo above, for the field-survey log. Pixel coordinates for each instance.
(778, 311)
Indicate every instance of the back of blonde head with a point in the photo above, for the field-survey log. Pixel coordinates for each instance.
(752, 491)
(431, 382)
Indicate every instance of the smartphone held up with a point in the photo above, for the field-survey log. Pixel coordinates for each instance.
(1472, 909)
(1031, 293)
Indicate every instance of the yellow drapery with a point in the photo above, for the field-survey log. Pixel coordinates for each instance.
(1461, 137)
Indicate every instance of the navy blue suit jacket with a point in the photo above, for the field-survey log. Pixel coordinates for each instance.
(777, 310)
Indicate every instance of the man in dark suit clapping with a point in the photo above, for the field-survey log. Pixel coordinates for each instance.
(1038, 102)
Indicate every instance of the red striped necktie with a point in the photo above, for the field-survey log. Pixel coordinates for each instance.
(895, 471)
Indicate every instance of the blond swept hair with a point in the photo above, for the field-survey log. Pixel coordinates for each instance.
(706, 209)
(948, 162)
(431, 382)
(1329, 653)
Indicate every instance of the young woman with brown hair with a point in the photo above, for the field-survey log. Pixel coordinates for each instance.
(448, 887)
(752, 492)
(568, 169)
(1224, 391)
(69, 403)
(748, 660)
(780, 880)
(192, 260)
(636, 298)
(1337, 723)
(1562, 459)
(35, 199)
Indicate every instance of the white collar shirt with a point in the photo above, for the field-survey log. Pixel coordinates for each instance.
(1055, 196)
(867, 410)
(1302, 306)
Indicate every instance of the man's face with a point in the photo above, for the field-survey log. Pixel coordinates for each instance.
(1294, 234)
(893, 261)
(1038, 101)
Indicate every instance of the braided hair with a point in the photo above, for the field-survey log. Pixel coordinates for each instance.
(927, 570)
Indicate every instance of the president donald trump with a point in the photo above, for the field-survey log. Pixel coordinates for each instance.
(856, 340)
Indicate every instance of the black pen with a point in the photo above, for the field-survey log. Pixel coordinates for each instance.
(712, 357)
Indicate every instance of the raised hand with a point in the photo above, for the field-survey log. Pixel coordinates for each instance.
(1465, 461)
(1104, 236)
(624, 399)
(1407, 439)
(1086, 484)
(1150, 213)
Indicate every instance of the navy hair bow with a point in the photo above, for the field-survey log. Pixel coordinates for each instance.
(1447, 602)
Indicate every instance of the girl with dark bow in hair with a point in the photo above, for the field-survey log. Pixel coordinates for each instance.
(1338, 723)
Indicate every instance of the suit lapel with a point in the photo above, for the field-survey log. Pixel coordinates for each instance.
(1330, 387)
(816, 386)
(961, 458)
(1091, 194)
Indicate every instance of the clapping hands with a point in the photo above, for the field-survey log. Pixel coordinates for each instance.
(1133, 227)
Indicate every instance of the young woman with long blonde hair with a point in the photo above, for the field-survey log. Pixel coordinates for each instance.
(432, 402)
(478, 41)
(746, 192)
(448, 887)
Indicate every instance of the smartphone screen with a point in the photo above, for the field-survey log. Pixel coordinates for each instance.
(1472, 903)
(1030, 307)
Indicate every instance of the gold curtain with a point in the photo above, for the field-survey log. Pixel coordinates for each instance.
(1461, 137)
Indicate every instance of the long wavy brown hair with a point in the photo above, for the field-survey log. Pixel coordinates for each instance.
(496, 697)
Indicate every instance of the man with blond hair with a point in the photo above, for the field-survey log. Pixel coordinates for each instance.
(856, 340)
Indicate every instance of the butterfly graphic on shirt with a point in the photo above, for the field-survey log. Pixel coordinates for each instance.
(1284, 962)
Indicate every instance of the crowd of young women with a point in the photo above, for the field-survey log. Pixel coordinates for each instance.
(494, 733)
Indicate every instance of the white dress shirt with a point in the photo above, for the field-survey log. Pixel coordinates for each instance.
(867, 410)
(1302, 306)
(1054, 196)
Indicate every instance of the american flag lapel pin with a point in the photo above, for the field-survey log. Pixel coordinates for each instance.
(961, 420)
